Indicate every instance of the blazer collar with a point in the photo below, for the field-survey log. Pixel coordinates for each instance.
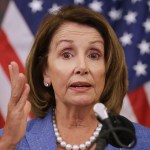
(40, 134)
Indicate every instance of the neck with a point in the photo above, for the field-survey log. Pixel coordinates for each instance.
(75, 117)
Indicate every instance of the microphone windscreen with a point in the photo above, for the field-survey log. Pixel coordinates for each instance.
(125, 137)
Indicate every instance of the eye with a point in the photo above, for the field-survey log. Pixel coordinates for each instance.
(94, 55)
(67, 55)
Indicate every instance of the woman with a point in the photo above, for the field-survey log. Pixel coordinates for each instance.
(75, 62)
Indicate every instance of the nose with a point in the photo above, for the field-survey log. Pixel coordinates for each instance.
(81, 66)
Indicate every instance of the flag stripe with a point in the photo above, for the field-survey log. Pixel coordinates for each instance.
(2, 122)
(4, 92)
(127, 110)
(22, 33)
(7, 54)
(140, 105)
(147, 91)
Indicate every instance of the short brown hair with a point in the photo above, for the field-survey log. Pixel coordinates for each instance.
(116, 83)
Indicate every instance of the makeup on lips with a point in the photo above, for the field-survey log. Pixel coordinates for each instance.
(80, 86)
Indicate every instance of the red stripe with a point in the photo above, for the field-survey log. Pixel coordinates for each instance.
(2, 122)
(140, 106)
(7, 54)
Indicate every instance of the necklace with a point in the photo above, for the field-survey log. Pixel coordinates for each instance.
(68, 146)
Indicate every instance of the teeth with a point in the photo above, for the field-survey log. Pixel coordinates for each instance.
(79, 86)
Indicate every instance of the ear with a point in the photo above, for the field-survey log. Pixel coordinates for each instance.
(46, 77)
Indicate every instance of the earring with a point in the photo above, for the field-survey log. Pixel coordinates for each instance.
(46, 84)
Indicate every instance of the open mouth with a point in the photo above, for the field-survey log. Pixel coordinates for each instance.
(80, 85)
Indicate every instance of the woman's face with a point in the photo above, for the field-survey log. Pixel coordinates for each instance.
(76, 65)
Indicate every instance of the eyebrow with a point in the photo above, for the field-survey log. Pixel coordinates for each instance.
(71, 41)
(97, 41)
(64, 40)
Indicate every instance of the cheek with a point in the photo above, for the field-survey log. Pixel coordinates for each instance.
(100, 82)
(100, 78)
(60, 72)
(100, 87)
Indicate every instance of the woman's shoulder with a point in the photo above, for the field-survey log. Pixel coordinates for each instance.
(141, 131)
(143, 136)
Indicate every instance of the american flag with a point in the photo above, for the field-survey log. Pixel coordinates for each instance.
(129, 18)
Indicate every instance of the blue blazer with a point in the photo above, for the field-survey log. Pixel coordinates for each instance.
(40, 136)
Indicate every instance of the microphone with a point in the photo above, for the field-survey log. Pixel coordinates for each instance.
(116, 130)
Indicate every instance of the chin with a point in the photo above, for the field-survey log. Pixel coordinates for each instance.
(82, 102)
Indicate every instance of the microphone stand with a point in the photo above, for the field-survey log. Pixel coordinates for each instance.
(101, 141)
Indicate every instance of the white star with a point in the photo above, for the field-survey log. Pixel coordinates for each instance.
(54, 8)
(96, 6)
(126, 39)
(35, 5)
(130, 17)
(140, 69)
(148, 3)
(144, 47)
(146, 25)
(115, 14)
(134, 1)
(78, 1)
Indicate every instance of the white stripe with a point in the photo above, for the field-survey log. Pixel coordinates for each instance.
(4, 92)
(17, 31)
(127, 110)
(147, 91)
